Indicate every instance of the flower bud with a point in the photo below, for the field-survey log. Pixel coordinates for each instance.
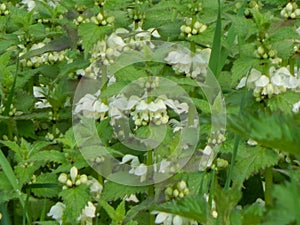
(187, 30)
(181, 185)
(69, 183)
(83, 179)
(175, 193)
(73, 173)
(62, 178)
(169, 191)
(289, 7)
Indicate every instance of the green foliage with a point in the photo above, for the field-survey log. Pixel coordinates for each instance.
(193, 207)
(113, 191)
(286, 207)
(75, 200)
(278, 131)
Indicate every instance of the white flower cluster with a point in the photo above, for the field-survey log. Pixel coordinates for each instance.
(192, 65)
(143, 112)
(171, 219)
(190, 28)
(291, 11)
(45, 58)
(278, 81)
(74, 179)
(3, 9)
(154, 112)
(90, 106)
(106, 51)
(85, 218)
(178, 190)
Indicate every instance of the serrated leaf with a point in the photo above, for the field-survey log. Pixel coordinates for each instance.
(113, 191)
(250, 160)
(75, 200)
(46, 192)
(192, 207)
(287, 206)
(113, 214)
(91, 33)
(278, 131)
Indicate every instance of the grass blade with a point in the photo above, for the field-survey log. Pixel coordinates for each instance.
(215, 58)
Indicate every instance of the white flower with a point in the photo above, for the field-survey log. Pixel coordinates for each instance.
(132, 198)
(137, 168)
(56, 212)
(30, 4)
(192, 65)
(170, 219)
(296, 107)
(298, 30)
(115, 42)
(95, 187)
(164, 166)
(164, 218)
(91, 107)
(87, 214)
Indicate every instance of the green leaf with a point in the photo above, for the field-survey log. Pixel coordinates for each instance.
(192, 207)
(91, 33)
(46, 192)
(75, 200)
(287, 206)
(214, 61)
(250, 160)
(113, 214)
(114, 191)
(276, 130)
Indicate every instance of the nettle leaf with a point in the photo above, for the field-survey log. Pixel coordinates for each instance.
(283, 102)
(75, 200)
(239, 23)
(253, 214)
(48, 156)
(250, 160)
(91, 33)
(192, 207)
(24, 172)
(68, 139)
(278, 131)
(287, 205)
(241, 68)
(117, 215)
(114, 191)
(46, 178)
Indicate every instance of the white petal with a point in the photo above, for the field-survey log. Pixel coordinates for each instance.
(126, 158)
(56, 211)
(161, 217)
(262, 81)
(177, 220)
(141, 170)
(254, 75)
(242, 83)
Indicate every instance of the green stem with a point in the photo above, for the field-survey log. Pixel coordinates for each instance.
(151, 187)
(268, 186)
(233, 158)
(292, 65)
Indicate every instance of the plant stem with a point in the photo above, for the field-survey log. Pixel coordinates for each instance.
(151, 187)
(233, 157)
(268, 186)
